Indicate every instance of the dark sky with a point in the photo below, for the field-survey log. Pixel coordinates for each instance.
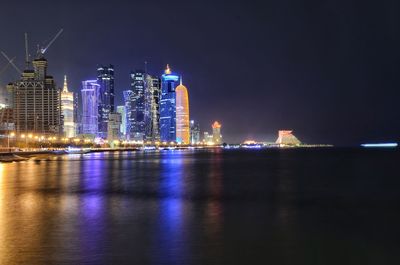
(327, 69)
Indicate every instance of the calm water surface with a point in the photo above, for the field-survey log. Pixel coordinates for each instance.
(330, 206)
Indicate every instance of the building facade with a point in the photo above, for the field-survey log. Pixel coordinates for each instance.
(194, 132)
(105, 79)
(216, 137)
(37, 101)
(169, 82)
(122, 129)
(90, 91)
(182, 115)
(114, 124)
(67, 110)
(137, 131)
(152, 108)
(128, 110)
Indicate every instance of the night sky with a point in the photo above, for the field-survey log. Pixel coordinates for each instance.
(326, 69)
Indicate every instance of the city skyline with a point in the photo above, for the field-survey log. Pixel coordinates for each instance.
(295, 87)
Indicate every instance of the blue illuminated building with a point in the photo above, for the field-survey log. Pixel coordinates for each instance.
(105, 78)
(128, 94)
(137, 131)
(169, 82)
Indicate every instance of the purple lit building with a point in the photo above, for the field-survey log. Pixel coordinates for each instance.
(90, 90)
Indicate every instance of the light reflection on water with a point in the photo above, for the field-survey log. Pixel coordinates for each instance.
(190, 207)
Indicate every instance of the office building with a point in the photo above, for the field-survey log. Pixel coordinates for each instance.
(169, 82)
(152, 108)
(137, 131)
(114, 124)
(194, 132)
(67, 110)
(105, 79)
(90, 90)
(128, 112)
(121, 110)
(6, 119)
(37, 101)
(182, 115)
(216, 137)
(77, 115)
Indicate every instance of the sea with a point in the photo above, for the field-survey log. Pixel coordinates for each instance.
(271, 206)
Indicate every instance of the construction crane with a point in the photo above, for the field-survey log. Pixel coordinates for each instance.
(43, 50)
(11, 61)
(6, 66)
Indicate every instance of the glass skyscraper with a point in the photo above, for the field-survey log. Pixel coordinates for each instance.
(121, 110)
(138, 105)
(90, 90)
(105, 78)
(152, 108)
(128, 112)
(169, 82)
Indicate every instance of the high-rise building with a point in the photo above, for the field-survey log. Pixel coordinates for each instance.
(128, 110)
(122, 129)
(152, 108)
(105, 78)
(37, 102)
(217, 137)
(90, 90)
(6, 119)
(67, 110)
(194, 132)
(169, 82)
(114, 124)
(77, 115)
(138, 105)
(182, 115)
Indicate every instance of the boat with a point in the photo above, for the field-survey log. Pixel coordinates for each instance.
(75, 150)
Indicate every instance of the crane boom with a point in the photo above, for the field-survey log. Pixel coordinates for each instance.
(43, 50)
(6, 66)
(10, 61)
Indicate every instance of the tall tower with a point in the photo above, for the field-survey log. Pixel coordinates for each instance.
(105, 78)
(182, 115)
(90, 90)
(67, 109)
(217, 137)
(169, 82)
(37, 101)
(128, 110)
(152, 108)
(138, 105)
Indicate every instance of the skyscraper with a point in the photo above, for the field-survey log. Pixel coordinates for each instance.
(217, 137)
(138, 105)
(121, 110)
(114, 124)
(152, 108)
(37, 102)
(194, 132)
(90, 90)
(77, 114)
(128, 109)
(182, 115)
(169, 82)
(105, 78)
(67, 109)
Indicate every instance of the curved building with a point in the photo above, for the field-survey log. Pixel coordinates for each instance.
(182, 115)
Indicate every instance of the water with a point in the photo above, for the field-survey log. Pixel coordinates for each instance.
(311, 206)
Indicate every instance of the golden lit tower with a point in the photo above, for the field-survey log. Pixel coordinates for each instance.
(67, 109)
(182, 115)
(217, 137)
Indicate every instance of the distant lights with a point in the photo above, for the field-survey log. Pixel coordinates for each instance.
(380, 145)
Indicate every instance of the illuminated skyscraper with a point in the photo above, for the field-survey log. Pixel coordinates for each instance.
(217, 137)
(128, 110)
(77, 115)
(194, 132)
(152, 108)
(37, 101)
(114, 124)
(182, 115)
(90, 90)
(138, 105)
(67, 109)
(169, 82)
(121, 110)
(105, 78)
